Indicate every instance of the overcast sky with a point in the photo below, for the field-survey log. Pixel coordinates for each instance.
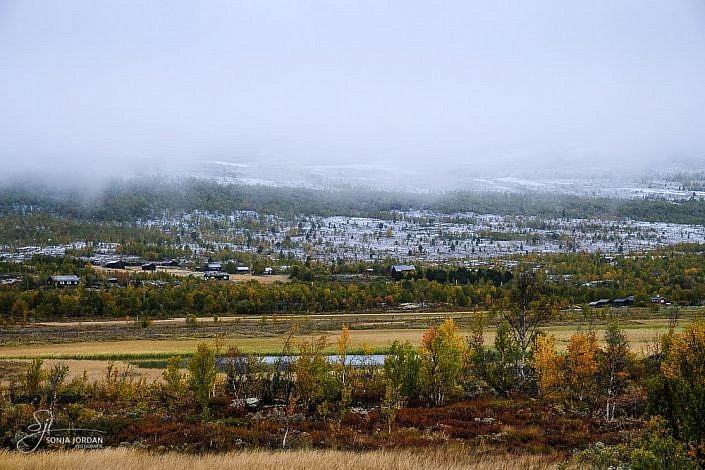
(91, 83)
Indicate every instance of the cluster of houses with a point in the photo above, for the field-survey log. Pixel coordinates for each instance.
(150, 266)
(215, 271)
(212, 271)
(71, 280)
(625, 302)
(123, 263)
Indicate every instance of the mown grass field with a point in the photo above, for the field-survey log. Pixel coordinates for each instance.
(441, 459)
(182, 272)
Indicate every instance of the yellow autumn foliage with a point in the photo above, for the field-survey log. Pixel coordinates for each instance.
(581, 364)
(686, 354)
(546, 365)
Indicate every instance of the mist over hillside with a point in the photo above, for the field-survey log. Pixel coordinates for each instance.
(130, 199)
(578, 98)
(622, 180)
(672, 180)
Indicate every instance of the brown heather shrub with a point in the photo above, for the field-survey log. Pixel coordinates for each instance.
(439, 458)
(535, 427)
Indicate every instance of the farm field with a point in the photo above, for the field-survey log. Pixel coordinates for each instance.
(182, 272)
(640, 333)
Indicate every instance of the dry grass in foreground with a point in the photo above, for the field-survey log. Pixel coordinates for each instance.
(94, 369)
(442, 459)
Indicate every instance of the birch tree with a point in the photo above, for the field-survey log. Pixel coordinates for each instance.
(526, 311)
(443, 358)
(614, 373)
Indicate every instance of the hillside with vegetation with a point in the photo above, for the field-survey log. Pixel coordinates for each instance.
(557, 328)
(127, 200)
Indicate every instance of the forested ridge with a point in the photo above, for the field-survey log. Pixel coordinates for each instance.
(127, 200)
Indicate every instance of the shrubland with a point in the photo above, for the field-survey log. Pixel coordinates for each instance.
(594, 404)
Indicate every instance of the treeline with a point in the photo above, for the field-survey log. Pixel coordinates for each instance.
(458, 275)
(678, 275)
(208, 298)
(148, 198)
(43, 229)
(462, 275)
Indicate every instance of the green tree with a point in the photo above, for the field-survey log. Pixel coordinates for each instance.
(501, 364)
(391, 404)
(315, 387)
(401, 379)
(54, 381)
(20, 311)
(33, 378)
(658, 450)
(344, 371)
(614, 367)
(173, 376)
(444, 354)
(202, 375)
(526, 311)
(678, 394)
(401, 370)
